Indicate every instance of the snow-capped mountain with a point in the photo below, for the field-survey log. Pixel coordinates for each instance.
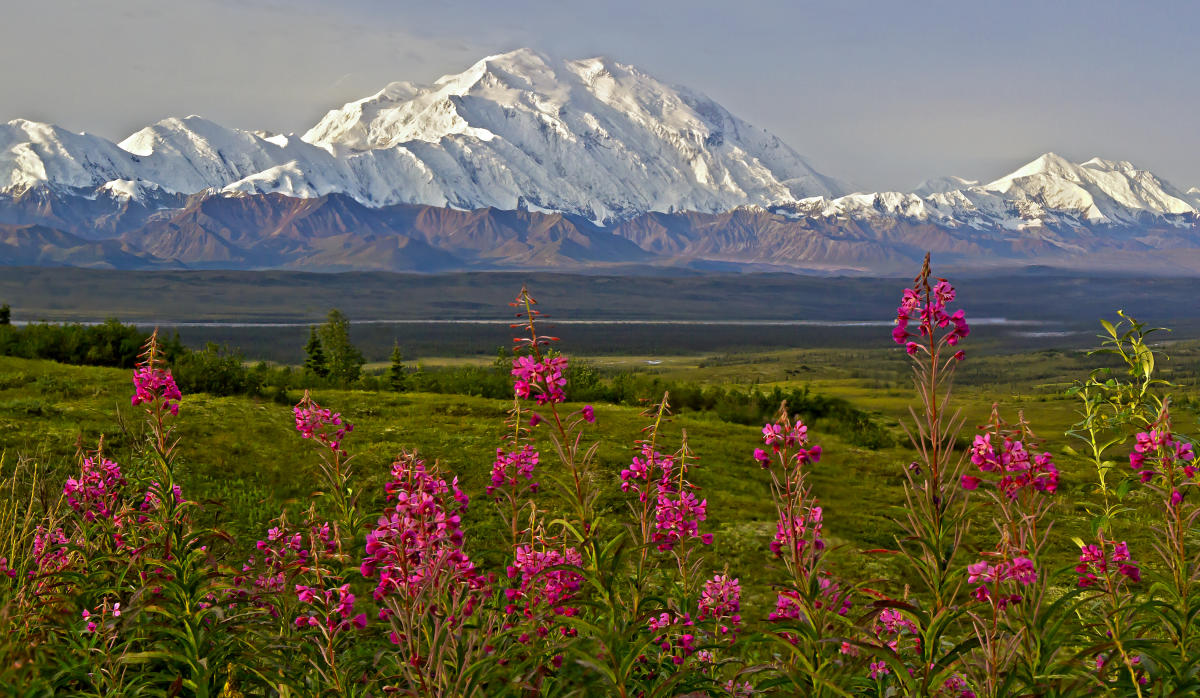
(588, 137)
(523, 160)
(1049, 192)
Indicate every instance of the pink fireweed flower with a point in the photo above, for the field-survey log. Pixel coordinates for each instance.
(789, 608)
(335, 605)
(1019, 469)
(927, 306)
(155, 386)
(511, 465)
(720, 601)
(589, 414)
(1158, 447)
(322, 425)
(674, 636)
(542, 590)
(417, 544)
(1019, 569)
(1093, 563)
(803, 534)
(49, 551)
(647, 472)
(95, 492)
(782, 436)
(540, 380)
(677, 517)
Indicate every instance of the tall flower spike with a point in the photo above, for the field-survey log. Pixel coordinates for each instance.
(153, 385)
(926, 304)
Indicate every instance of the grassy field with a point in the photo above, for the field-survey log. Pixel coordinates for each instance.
(244, 460)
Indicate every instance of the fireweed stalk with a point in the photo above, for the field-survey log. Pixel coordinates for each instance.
(1011, 613)
(327, 431)
(512, 481)
(539, 376)
(1166, 465)
(427, 584)
(934, 520)
(813, 606)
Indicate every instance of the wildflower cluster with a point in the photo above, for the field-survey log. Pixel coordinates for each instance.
(675, 635)
(94, 494)
(927, 305)
(988, 576)
(1019, 469)
(325, 426)
(540, 379)
(281, 555)
(511, 465)
(677, 516)
(417, 543)
(1159, 447)
(95, 618)
(545, 584)
(896, 632)
(153, 385)
(721, 602)
(1097, 561)
(650, 467)
(798, 528)
(333, 608)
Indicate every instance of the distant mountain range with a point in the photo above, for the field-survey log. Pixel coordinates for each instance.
(521, 161)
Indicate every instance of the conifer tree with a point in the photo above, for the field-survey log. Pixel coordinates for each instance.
(5, 314)
(344, 359)
(396, 377)
(315, 361)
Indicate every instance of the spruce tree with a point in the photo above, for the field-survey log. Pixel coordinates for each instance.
(396, 377)
(5, 314)
(315, 361)
(345, 361)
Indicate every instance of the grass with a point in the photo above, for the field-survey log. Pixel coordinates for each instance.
(242, 458)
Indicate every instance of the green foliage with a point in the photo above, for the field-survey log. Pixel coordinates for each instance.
(344, 359)
(5, 314)
(107, 344)
(396, 377)
(314, 355)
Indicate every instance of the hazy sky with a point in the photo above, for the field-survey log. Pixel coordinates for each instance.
(884, 94)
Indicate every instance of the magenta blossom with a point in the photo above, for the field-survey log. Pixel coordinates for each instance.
(1161, 448)
(509, 466)
(1094, 562)
(927, 307)
(94, 494)
(540, 380)
(1018, 468)
(542, 588)
(321, 425)
(155, 386)
(720, 601)
(416, 546)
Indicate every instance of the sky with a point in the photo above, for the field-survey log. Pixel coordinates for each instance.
(883, 94)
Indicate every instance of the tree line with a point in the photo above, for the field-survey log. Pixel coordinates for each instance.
(332, 361)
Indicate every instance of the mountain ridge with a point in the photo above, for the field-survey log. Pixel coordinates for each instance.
(522, 160)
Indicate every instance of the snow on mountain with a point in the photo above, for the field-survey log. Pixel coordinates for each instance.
(1049, 191)
(941, 185)
(1101, 191)
(518, 130)
(591, 137)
